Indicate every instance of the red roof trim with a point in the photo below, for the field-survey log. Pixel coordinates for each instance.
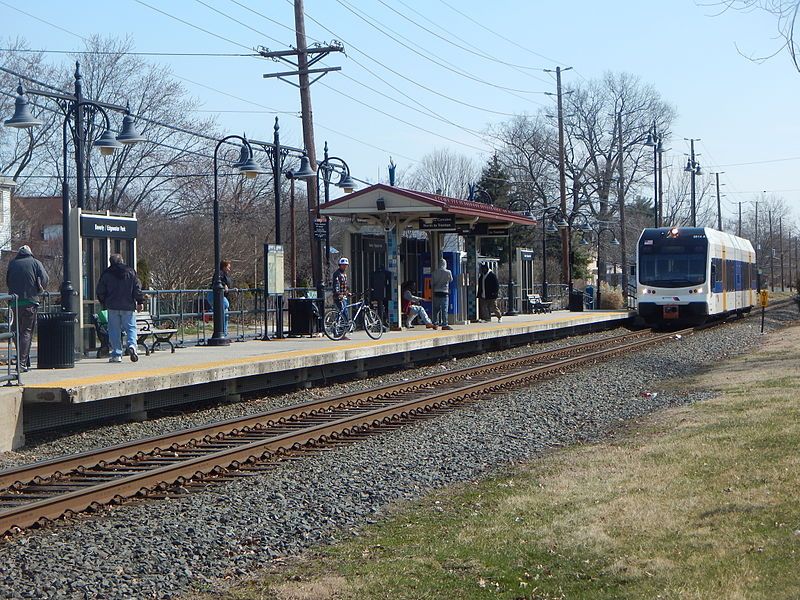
(456, 206)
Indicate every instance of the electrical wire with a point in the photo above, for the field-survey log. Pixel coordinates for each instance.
(390, 33)
(132, 53)
(243, 24)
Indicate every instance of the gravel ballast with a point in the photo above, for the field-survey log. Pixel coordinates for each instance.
(161, 549)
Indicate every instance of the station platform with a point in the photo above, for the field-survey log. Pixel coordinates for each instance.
(96, 389)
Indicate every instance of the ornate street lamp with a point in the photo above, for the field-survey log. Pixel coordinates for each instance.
(74, 105)
(250, 169)
(528, 212)
(552, 221)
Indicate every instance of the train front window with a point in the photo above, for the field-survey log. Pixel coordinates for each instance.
(672, 264)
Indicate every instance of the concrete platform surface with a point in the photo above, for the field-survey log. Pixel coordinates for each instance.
(97, 379)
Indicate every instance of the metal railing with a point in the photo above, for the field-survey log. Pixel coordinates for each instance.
(9, 333)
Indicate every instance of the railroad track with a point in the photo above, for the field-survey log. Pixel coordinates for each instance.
(44, 491)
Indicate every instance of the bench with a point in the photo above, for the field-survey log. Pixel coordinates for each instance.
(537, 305)
(161, 332)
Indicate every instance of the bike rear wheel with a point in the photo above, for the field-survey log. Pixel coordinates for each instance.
(372, 323)
(335, 325)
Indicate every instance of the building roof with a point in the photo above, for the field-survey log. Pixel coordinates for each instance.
(411, 203)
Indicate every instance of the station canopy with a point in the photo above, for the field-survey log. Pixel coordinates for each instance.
(425, 211)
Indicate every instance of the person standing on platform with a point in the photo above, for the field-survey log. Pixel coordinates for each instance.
(341, 288)
(440, 282)
(225, 268)
(27, 279)
(120, 293)
(488, 290)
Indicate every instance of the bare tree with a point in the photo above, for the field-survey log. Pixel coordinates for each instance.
(445, 172)
(785, 13)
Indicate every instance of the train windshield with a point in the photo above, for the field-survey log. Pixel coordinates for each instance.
(672, 263)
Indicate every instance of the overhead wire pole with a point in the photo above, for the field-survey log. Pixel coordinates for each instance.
(780, 239)
(566, 275)
(302, 69)
(719, 203)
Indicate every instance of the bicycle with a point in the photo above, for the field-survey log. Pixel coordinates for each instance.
(337, 323)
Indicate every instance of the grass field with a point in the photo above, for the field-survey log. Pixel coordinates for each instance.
(693, 502)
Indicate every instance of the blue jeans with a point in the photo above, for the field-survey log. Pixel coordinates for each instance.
(119, 321)
(440, 309)
(414, 311)
(226, 304)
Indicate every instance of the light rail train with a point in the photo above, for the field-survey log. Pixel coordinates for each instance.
(688, 275)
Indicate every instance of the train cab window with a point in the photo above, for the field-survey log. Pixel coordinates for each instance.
(672, 264)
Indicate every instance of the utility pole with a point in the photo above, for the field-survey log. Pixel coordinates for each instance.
(693, 167)
(661, 186)
(771, 255)
(299, 60)
(566, 275)
(621, 196)
(780, 238)
(739, 229)
(719, 205)
(757, 248)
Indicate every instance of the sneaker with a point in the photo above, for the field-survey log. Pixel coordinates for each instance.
(499, 319)
(115, 359)
(133, 354)
(431, 326)
(447, 328)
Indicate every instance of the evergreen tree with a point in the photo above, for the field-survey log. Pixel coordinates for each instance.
(495, 182)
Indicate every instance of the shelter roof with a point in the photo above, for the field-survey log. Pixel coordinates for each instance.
(411, 203)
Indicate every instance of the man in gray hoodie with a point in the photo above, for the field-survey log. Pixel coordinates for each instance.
(27, 279)
(440, 283)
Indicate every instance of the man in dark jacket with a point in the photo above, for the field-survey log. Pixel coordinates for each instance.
(120, 293)
(27, 279)
(488, 290)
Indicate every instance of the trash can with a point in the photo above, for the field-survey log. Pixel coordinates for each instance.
(56, 340)
(576, 301)
(589, 297)
(304, 314)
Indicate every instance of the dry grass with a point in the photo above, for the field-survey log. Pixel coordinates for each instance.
(697, 502)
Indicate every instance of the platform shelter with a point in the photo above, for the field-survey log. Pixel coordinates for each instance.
(405, 233)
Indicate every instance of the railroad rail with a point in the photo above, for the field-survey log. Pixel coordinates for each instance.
(47, 490)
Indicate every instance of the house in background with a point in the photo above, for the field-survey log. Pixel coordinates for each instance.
(7, 186)
(36, 221)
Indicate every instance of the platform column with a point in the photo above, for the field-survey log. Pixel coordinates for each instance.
(471, 247)
(393, 266)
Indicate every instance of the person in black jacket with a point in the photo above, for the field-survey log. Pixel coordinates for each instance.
(120, 293)
(488, 290)
(27, 279)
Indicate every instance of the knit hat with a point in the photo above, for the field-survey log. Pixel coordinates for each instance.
(25, 250)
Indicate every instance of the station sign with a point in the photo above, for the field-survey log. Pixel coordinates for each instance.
(118, 228)
(526, 255)
(321, 229)
(438, 223)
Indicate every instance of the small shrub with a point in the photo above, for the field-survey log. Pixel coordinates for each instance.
(610, 297)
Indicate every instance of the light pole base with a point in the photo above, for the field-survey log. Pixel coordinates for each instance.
(221, 341)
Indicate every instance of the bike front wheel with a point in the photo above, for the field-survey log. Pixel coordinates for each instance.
(372, 323)
(335, 325)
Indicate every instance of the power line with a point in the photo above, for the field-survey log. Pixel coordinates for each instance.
(473, 51)
(271, 20)
(132, 53)
(211, 33)
(404, 77)
(386, 31)
(41, 20)
(243, 24)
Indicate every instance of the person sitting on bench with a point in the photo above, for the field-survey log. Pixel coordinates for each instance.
(412, 308)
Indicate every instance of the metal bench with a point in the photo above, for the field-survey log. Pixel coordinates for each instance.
(161, 332)
(537, 305)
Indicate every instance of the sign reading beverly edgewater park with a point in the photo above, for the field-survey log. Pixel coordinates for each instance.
(108, 227)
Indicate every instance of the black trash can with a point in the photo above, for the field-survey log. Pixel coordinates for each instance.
(304, 315)
(576, 301)
(56, 340)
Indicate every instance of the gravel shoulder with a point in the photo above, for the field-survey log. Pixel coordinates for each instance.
(164, 549)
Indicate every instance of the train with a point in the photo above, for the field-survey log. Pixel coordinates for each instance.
(689, 275)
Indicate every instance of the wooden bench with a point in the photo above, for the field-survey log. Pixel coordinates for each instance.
(537, 305)
(161, 332)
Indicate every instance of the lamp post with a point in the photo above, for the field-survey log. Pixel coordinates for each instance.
(553, 213)
(528, 211)
(249, 168)
(598, 228)
(326, 169)
(74, 105)
(693, 167)
(654, 140)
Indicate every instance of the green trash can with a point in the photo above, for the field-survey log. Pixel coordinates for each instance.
(56, 340)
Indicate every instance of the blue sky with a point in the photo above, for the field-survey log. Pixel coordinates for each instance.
(743, 112)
